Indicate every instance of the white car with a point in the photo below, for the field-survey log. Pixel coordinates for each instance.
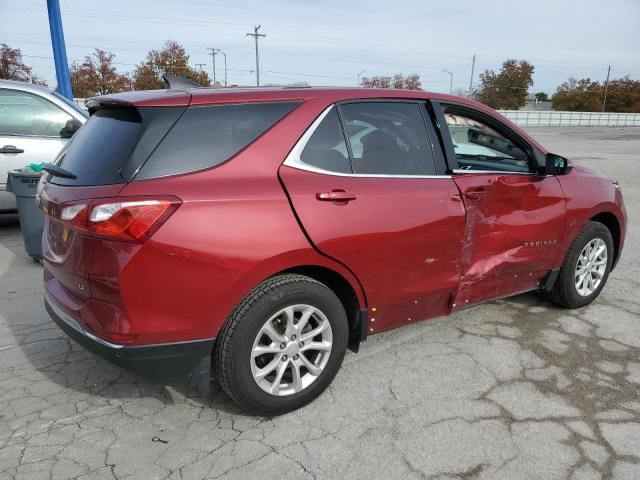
(35, 123)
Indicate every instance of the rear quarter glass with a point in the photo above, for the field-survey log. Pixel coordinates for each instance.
(113, 144)
(206, 136)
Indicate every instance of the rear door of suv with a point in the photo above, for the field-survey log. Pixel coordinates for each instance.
(367, 182)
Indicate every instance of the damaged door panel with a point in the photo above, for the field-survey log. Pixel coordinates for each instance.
(514, 224)
(515, 213)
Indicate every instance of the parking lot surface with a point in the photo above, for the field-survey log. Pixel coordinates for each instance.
(515, 389)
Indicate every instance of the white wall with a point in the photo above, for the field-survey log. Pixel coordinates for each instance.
(527, 118)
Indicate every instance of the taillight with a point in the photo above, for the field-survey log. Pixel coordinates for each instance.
(128, 219)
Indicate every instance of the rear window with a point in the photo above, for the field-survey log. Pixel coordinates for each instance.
(206, 136)
(99, 148)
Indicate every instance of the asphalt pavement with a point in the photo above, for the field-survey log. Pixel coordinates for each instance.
(515, 389)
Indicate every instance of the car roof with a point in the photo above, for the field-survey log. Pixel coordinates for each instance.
(24, 86)
(217, 95)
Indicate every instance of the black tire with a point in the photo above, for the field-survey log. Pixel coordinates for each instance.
(564, 292)
(232, 355)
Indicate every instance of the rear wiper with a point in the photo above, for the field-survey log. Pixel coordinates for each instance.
(58, 171)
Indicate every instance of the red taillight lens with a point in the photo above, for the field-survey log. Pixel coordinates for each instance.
(129, 219)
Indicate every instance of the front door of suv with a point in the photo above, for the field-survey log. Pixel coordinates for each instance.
(364, 184)
(515, 215)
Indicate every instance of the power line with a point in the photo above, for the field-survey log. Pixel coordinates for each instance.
(136, 17)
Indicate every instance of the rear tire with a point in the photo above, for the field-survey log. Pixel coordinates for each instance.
(582, 262)
(277, 318)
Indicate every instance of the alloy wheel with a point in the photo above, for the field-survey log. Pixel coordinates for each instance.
(591, 267)
(291, 350)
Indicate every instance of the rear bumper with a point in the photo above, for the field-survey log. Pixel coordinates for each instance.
(182, 362)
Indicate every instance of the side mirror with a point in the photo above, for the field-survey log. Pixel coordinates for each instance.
(556, 165)
(70, 128)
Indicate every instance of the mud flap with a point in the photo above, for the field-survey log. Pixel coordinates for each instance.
(550, 280)
(358, 330)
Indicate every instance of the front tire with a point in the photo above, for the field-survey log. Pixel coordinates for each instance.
(282, 345)
(586, 267)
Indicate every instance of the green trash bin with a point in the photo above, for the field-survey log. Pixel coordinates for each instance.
(23, 183)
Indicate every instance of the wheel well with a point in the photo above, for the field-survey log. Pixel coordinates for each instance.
(610, 221)
(343, 290)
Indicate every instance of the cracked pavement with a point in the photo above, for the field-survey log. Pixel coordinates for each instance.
(514, 389)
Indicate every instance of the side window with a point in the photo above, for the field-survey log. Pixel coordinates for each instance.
(479, 147)
(327, 149)
(206, 136)
(388, 138)
(25, 114)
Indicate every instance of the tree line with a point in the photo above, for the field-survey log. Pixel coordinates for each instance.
(97, 74)
(506, 88)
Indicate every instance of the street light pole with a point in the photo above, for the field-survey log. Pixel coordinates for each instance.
(450, 80)
(358, 77)
(225, 66)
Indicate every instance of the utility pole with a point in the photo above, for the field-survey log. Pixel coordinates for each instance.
(606, 87)
(255, 36)
(450, 80)
(201, 66)
(225, 66)
(473, 66)
(213, 55)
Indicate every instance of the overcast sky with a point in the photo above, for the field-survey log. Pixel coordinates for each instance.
(329, 42)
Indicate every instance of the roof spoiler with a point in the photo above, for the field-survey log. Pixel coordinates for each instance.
(176, 82)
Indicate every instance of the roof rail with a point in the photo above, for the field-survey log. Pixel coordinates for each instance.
(177, 82)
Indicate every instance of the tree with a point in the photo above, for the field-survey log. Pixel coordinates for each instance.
(623, 95)
(585, 95)
(97, 76)
(581, 95)
(542, 97)
(508, 88)
(376, 82)
(12, 68)
(171, 60)
(410, 82)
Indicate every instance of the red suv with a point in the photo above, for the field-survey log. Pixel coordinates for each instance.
(263, 231)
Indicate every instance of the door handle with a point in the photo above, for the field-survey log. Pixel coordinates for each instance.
(11, 149)
(475, 194)
(336, 196)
